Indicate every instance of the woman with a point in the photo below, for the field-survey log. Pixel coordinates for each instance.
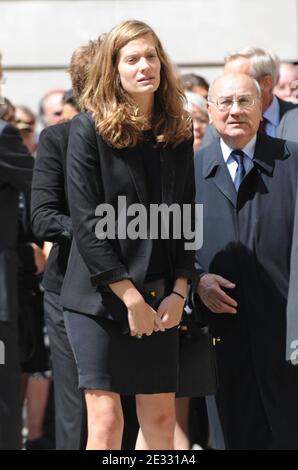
(133, 146)
(197, 107)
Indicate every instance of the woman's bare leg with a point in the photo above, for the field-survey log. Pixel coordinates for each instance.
(181, 436)
(105, 420)
(156, 415)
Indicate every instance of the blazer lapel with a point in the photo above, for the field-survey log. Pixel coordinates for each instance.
(216, 168)
(134, 162)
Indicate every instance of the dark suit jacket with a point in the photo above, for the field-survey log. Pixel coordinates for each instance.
(289, 130)
(289, 125)
(284, 108)
(247, 240)
(49, 206)
(15, 176)
(98, 173)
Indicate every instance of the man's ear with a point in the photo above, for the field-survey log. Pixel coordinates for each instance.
(266, 82)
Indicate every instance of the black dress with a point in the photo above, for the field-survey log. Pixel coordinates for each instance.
(106, 358)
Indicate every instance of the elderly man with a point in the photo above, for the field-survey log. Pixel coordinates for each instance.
(264, 67)
(51, 107)
(247, 183)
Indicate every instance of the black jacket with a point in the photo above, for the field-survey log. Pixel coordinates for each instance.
(15, 176)
(49, 207)
(98, 173)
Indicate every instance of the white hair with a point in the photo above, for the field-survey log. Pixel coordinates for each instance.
(193, 99)
(262, 62)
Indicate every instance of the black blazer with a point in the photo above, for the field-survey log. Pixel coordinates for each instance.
(247, 239)
(15, 176)
(96, 174)
(49, 207)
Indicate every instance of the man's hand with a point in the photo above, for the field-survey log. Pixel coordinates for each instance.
(210, 292)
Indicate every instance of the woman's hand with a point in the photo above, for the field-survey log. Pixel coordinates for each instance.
(170, 310)
(143, 319)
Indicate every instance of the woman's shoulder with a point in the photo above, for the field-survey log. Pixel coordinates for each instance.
(83, 124)
(185, 146)
(83, 119)
(83, 128)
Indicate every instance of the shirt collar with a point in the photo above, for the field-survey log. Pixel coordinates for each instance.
(249, 149)
(272, 112)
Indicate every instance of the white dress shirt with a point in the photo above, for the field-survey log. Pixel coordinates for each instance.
(272, 114)
(248, 151)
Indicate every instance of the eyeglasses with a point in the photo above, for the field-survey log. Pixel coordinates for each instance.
(225, 103)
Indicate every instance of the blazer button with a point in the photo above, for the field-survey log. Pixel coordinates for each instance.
(216, 340)
(152, 293)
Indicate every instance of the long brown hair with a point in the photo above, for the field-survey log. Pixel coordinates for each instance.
(115, 114)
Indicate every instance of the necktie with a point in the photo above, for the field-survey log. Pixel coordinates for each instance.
(238, 156)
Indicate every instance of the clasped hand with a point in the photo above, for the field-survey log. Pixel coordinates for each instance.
(143, 319)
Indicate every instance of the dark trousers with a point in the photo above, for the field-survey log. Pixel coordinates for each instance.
(10, 387)
(70, 412)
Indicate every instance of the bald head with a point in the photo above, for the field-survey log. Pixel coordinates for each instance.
(230, 80)
(234, 108)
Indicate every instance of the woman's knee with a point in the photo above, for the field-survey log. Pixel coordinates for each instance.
(159, 421)
(104, 415)
(107, 419)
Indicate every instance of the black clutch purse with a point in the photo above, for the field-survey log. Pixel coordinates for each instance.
(153, 292)
(197, 374)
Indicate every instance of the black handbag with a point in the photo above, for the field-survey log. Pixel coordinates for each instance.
(197, 374)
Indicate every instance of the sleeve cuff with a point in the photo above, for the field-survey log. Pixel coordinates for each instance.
(186, 273)
(107, 277)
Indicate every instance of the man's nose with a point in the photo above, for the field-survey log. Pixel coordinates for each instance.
(235, 107)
